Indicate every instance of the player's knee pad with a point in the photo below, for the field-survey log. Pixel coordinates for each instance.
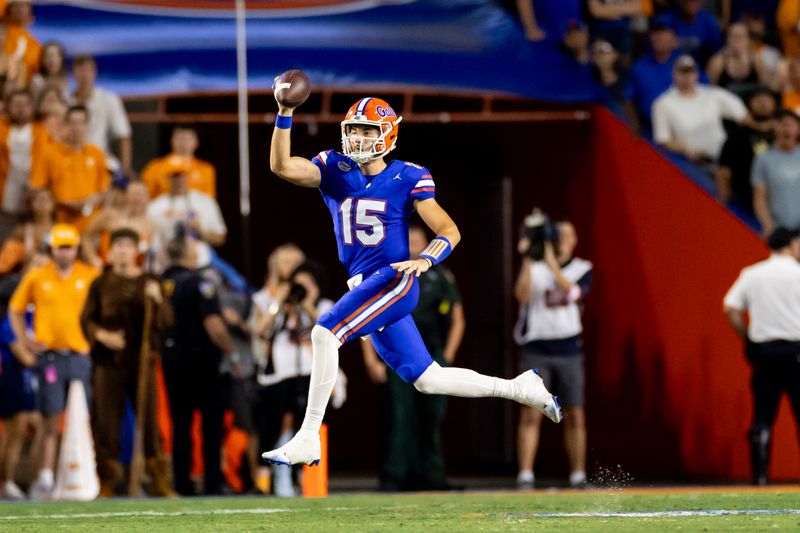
(430, 380)
(321, 336)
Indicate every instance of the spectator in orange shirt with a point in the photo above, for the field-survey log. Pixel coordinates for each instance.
(23, 50)
(202, 175)
(22, 142)
(57, 291)
(74, 171)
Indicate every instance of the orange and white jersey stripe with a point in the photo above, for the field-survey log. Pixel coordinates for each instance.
(372, 308)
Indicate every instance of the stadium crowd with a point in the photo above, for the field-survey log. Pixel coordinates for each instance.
(715, 83)
(108, 267)
(111, 278)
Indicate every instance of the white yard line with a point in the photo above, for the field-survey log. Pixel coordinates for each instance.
(663, 514)
(123, 514)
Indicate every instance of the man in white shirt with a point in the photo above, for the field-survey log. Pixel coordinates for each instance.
(770, 292)
(198, 213)
(108, 119)
(687, 119)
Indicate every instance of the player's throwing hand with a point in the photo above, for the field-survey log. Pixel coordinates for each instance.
(414, 266)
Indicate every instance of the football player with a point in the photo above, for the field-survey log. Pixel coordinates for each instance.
(371, 200)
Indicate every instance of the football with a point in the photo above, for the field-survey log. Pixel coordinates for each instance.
(292, 88)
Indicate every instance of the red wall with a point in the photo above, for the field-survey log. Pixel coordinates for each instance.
(668, 375)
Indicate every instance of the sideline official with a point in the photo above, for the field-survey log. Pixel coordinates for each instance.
(770, 292)
(192, 353)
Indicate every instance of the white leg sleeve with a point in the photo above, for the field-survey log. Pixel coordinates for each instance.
(463, 382)
(324, 369)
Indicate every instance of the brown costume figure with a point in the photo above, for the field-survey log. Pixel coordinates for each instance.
(113, 321)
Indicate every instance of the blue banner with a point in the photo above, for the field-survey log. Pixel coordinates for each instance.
(148, 47)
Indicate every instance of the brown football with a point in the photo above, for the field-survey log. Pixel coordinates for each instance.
(292, 88)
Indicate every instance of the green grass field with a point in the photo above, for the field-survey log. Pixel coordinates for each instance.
(777, 510)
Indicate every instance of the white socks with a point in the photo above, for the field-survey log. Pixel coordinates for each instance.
(324, 369)
(465, 383)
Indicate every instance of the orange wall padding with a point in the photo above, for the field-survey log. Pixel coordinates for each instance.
(667, 376)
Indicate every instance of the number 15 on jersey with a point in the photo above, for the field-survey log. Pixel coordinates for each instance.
(360, 221)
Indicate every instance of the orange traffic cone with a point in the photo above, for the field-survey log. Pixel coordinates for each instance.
(315, 478)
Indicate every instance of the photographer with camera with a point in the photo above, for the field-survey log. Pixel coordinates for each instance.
(550, 290)
(284, 312)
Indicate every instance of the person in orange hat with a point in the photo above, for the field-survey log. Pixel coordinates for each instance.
(57, 291)
(202, 175)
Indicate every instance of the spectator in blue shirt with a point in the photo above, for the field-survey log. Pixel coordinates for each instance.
(651, 75)
(697, 29)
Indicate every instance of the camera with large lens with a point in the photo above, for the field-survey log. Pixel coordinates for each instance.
(297, 293)
(538, 229)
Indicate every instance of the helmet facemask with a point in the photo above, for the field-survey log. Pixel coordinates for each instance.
(365, 149)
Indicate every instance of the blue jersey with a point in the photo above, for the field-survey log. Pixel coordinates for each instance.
(370, 213)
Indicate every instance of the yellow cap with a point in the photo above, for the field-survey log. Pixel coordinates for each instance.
(64, 235)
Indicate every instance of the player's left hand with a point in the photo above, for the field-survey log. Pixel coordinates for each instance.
(414, 266)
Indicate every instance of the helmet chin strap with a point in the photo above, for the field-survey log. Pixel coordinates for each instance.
(363, 156)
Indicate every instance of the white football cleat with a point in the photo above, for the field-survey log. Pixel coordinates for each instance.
(13, 492)
(533, 393)
(304, 448)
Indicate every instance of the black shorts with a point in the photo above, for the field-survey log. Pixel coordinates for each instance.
(18, 389)
(563, 375)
